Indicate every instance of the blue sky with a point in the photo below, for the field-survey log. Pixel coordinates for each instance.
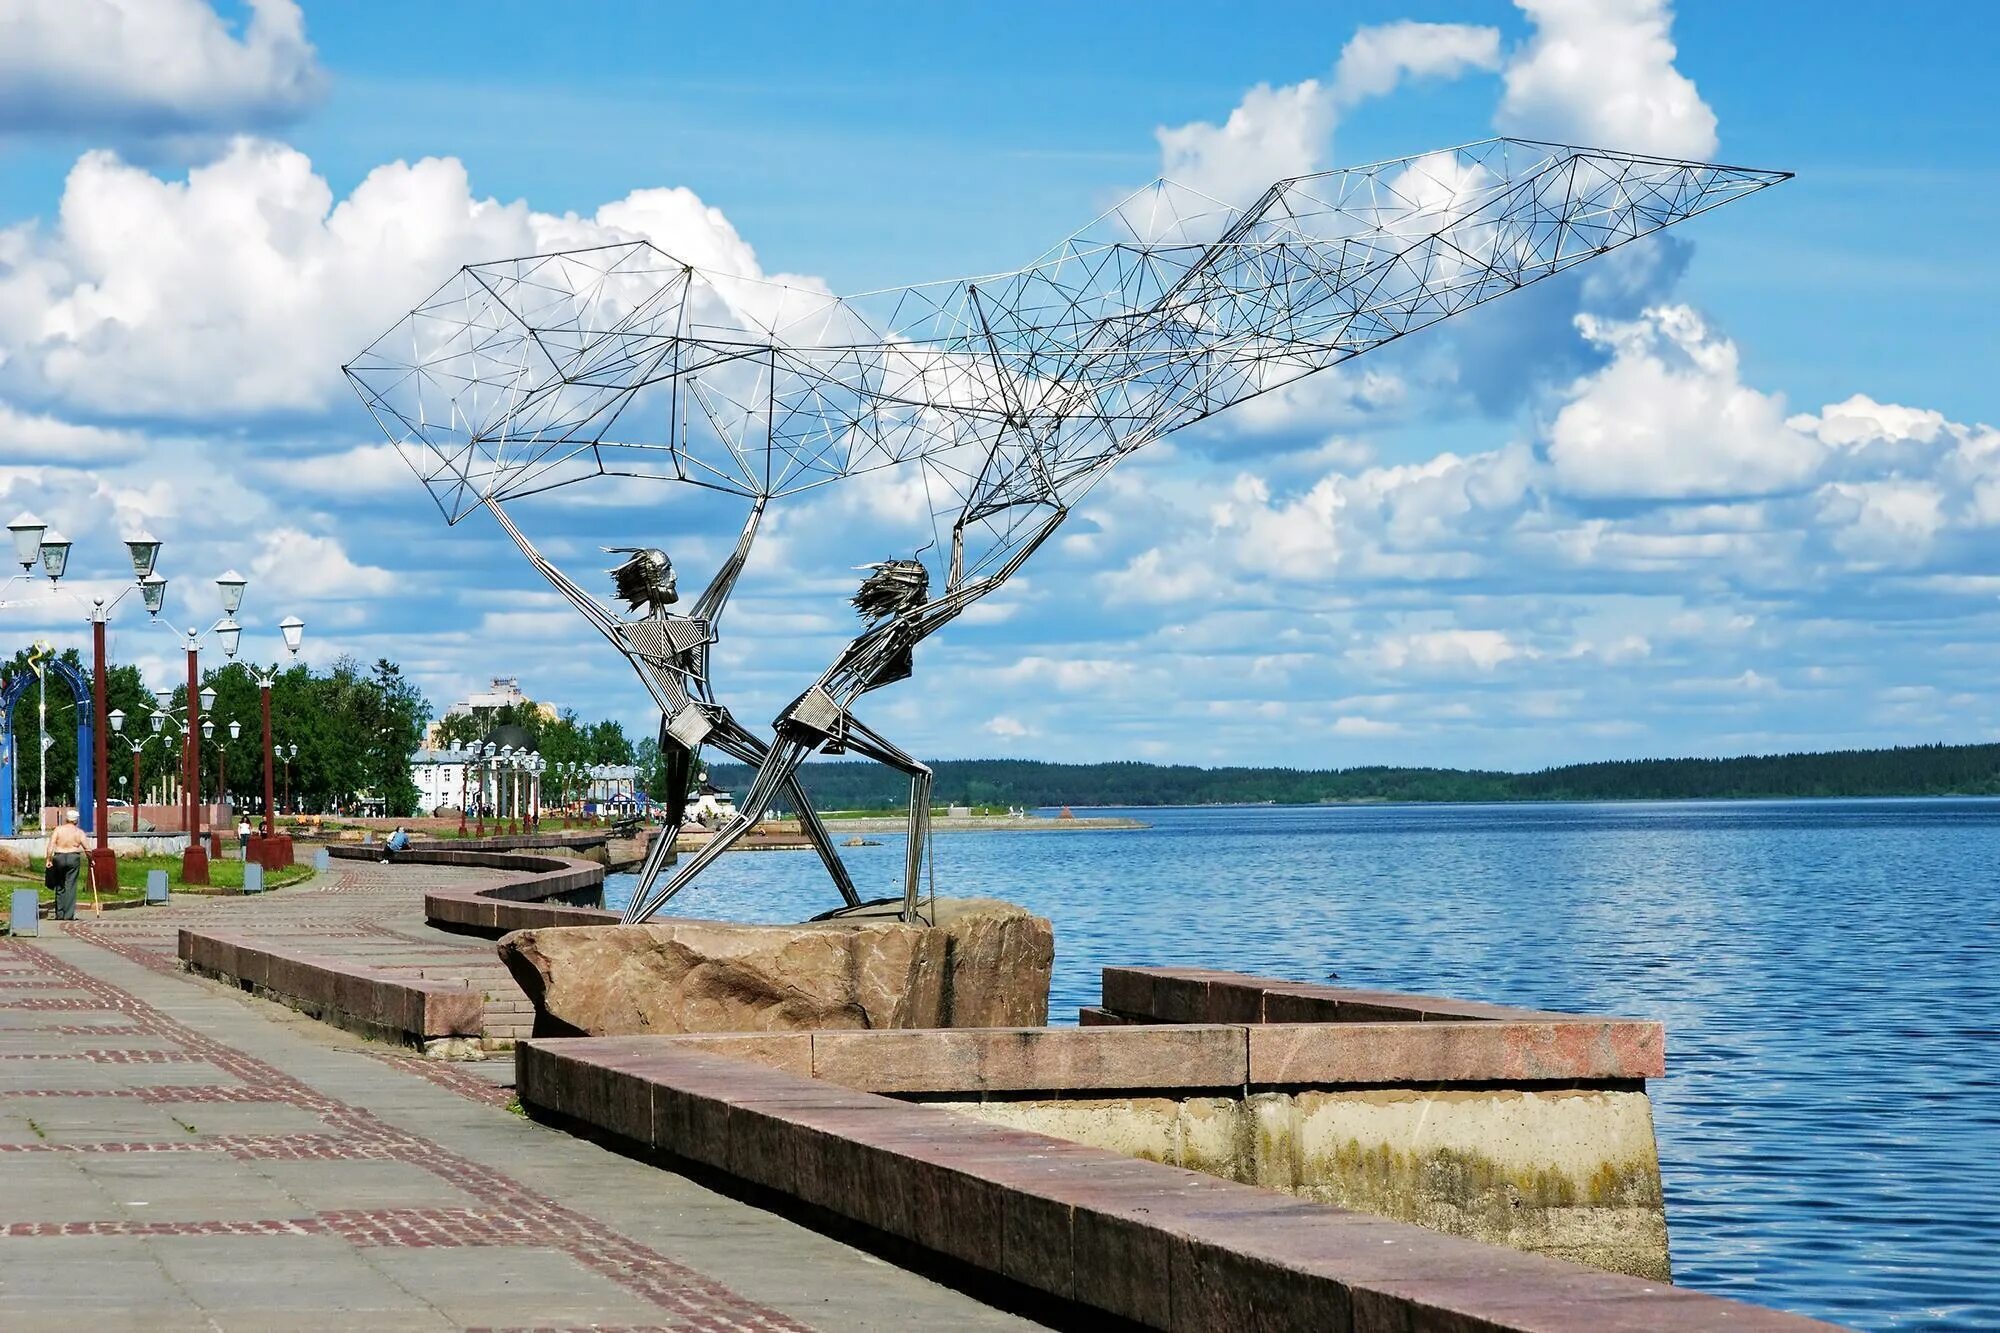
(1641, 513)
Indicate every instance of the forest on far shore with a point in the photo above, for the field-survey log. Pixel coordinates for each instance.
(1915, 770)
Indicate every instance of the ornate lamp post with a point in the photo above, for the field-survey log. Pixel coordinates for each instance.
(535, 766)
(117, 720)
(230, 585)
(34, 542)
(270, 849)
(501, 763)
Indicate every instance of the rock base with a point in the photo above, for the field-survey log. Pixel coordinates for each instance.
(984, 963)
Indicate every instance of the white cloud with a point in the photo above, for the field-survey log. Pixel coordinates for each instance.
(1286, 131)
(1443, 650)
(152, 67)
(1354, 725)
(1068, 675)
(1861, 419)
(294, 564)
(37, 437)
(1601, 72)
(1272, 133)
(366, 469)
(1883, 522)
(1378, 58)
(1006, 728)
(1669, 418)
(244, 287)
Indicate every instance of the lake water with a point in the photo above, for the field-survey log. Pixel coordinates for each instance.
(1829, 973)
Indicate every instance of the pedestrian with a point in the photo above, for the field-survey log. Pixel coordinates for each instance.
(64, 858)
(243, 834)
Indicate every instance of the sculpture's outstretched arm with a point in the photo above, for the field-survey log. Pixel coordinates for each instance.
(939, 611)
(606, 624)
(709, 605)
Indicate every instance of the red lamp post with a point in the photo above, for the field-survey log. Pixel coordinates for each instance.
(194, 860)
(103, 861)
(271, 849)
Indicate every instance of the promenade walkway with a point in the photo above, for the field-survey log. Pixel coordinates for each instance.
(176, 1154)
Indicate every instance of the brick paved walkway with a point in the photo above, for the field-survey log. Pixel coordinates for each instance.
(174, 1154)
(358, 909)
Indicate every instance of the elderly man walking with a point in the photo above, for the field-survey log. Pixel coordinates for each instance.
(65, 857)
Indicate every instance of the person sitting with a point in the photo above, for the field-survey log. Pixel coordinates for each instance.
(398, 841)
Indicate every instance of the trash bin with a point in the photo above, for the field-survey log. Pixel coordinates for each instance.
(156, 886)
(24, 914)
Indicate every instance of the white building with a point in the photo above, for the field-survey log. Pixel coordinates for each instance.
(440, 775)
(502, 692)
(709, 805)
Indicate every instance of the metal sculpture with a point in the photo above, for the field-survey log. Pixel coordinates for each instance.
(1014, 393)
(670, 654)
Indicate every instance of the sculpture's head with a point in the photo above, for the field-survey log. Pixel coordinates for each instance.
(891, 588)
(646, 579)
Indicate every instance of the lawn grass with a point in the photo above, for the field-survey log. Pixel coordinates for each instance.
(223, 874)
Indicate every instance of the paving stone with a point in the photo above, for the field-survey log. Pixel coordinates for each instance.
(321, 1183)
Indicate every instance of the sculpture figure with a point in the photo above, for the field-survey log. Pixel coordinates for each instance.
(670, 654)
(1014, 393)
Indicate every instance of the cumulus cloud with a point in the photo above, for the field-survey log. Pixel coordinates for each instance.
(147, 68)
(367, 469)
(1440, 650)
(294, 564)
(1669, 417)
(1888, 522)
(244, 287)
(1287, 131)
(1007, 728)
(38, 437)
(1601, 72)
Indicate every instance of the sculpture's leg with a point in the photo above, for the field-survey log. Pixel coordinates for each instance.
(871, 745)
(815, 830)
(678, 766)
(783, 761)
(731, 738)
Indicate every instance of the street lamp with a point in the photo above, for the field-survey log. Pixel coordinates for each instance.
(145, 551)
(27, 531)
(157, 732)
(272, 851)
(483, 756)
(55, 556)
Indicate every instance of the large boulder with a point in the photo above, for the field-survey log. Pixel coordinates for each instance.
(983, 964)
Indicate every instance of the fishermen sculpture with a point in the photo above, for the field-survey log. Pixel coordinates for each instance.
(895, 599)
(670, 653)
(1014, 393)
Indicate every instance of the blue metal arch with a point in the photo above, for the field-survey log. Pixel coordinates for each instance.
(86, 750)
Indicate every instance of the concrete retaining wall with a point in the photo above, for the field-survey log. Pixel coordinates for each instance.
(1537, 1135)
(428, 1015)
(1097, 1231)
(549, 890)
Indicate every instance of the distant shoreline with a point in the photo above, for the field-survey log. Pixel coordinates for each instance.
(1532, 800)
(1904, 773)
